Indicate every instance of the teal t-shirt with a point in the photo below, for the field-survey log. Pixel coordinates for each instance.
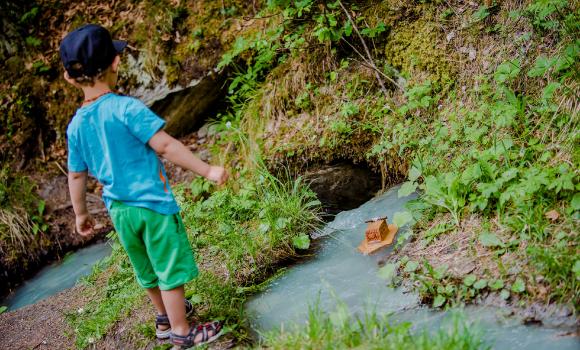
(109, 138)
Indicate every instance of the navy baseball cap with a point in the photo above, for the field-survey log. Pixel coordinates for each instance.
(91, 47)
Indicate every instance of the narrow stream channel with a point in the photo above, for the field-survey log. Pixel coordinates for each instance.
(340, 272)
(58, 276)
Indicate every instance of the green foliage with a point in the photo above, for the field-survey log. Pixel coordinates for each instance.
(481, 14)
(33, 41)
(418, 97)
(240, 233)
(17, 195)
(340, 330)
(545, 14)
(507, 71)
(29, 16)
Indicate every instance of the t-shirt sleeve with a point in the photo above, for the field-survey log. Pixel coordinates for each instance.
(76, 163)
(141, 121)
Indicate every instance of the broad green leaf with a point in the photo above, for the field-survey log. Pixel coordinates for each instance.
(490, 240)
(440, 272)
(414, 173)
(504, 294)
(449, 289)
(519, 286)
(542, 65)
(407, 188)
(549, 91)
(388, 272)
(496, 285)
(507, 70)
(348, 28)
(281, 223)
(480, 284)
(576, 201)
(481, 13)
(3, 309)
(576, 269)
(301, 242)
(333, 76)
(411, 266)
(402, 218)
(469, 280)
(439, 300)
(195, 299)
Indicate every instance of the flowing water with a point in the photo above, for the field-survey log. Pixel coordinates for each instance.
(340, 273)
(58, 276)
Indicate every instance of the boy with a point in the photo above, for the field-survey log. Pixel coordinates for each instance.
(116, 138)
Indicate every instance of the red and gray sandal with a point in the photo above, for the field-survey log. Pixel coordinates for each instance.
(202, 334)
(163, 321)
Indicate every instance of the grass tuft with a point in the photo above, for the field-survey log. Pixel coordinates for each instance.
(341, 330)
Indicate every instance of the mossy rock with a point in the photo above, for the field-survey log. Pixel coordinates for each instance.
(417, 49)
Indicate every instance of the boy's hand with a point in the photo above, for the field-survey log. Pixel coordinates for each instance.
(217, 174)
(85, 224)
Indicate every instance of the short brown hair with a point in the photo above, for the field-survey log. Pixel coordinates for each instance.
(86, 80)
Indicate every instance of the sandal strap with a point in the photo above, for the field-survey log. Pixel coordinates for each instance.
(190, 339)
(161, 320)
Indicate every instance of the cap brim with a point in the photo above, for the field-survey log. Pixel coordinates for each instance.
(119, 45)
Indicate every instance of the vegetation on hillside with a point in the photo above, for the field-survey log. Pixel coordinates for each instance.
(487, 133)
(171, 42)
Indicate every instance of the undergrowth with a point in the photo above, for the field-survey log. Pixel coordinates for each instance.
(342, 330)
(22, 224)
(239, 234)
(494, 141)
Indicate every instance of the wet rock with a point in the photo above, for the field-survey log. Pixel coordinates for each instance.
(343, 186)
(185, 109)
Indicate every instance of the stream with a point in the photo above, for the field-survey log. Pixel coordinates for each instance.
(58, 276)
(340, 273)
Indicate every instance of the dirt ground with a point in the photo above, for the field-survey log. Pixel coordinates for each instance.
(42, 325)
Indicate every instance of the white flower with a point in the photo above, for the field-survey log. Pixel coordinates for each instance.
(228, 125)
(80, 310)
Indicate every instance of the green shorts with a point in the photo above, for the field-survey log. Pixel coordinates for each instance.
(157, 246)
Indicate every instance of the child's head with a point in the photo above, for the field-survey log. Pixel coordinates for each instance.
(89, 55)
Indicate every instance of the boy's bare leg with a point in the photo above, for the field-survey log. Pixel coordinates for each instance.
(155, 296)
(173, 301)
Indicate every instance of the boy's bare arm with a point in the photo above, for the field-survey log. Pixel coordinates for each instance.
(77, 185)
(176, 152)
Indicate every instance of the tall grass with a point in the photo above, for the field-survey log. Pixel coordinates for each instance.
(341, 330)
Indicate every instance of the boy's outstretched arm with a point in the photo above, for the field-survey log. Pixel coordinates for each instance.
(176, 152)
(77, 185)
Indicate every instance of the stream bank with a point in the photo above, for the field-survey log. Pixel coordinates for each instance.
(340, 274)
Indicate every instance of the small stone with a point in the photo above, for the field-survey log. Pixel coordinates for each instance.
(472, 54)
(202, 132)
(450, 36)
